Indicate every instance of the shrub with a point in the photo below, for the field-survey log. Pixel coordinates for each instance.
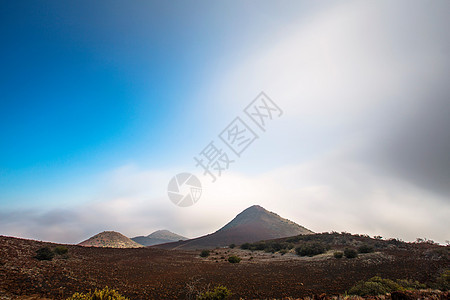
(220, 292)
(61, 250)
(338, 254)
(411, 284)
(232, 246)
(311, 249)
(234, 259)
(294, 239)
(245, 246)
(350, 253)
(44, 254)
(204, 253)
(375, 286)
(258, 246)
(368, 288)
(105, 294)
(443, 281)
(269, 250)
(276, 246)
(365, 249)
(283, 251)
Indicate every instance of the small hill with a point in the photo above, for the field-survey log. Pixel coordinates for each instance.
(110, 239)
(251, 225)
(159, 237)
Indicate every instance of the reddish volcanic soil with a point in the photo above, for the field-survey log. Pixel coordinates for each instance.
(149, 273)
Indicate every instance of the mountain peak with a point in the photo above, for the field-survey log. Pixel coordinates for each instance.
(253, 224)
(159, 237)
(166, 234)
(257, 214)
(162, 231)
(111, 239)
(255, 208)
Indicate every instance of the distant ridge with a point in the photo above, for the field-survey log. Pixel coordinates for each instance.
(159, 237)
(253, 224)
(110, 239)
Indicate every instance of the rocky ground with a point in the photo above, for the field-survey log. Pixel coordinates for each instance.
(149, 273)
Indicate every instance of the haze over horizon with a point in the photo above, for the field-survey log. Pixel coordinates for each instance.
(103, 103)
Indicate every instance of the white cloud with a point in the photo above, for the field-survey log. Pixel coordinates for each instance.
(330, 193)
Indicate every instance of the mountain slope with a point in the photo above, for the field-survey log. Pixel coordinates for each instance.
(158, 237)
(110, 239)
(253, 224)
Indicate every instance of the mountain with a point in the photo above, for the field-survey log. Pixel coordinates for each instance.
(110, 239)
(159, 237)
(252, 225)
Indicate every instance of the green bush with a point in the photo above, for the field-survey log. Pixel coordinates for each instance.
(275, 247)
(375, 286)
(105, 294)
(311, 249)
(245, 246)
(220, 292)
(269, 250)
(368, 289)
(443, 281)
(338, 254)
(232, 246)
(269, 246)
(258, 246)
(365, 249)
(234, 259)
(283, 251)
(44, 254)
(294, 239)
(350, 253)
(61, 250)
(411, 284)
(204, 253)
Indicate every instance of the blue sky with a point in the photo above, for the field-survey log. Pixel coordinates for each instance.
(88, 86)
(102, 103)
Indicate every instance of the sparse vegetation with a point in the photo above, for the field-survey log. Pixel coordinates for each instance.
(380, 286)
(365, 249)
(232, 246)
(104, 294)
(234, 259)
(220, 292)
(267, 246)
(311, 249)
(413, 261)
(425, 241)
(350, 253)
(204, 253)
(411, 284)
(245, 246)
(61, 250)
(443, 281)
(44, 254)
